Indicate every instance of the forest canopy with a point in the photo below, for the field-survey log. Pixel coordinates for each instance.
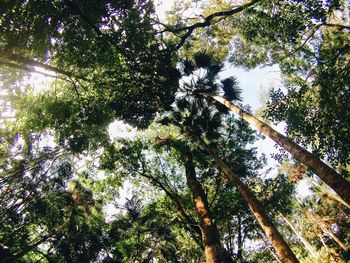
(186, 181)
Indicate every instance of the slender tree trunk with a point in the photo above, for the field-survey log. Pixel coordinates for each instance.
(323, 243)
(214, 252)
(175, 199)
(303, 240)
(269, 248)
(28, 69)
(327, 194)
(239, 240)
(229, 238)
(329, 232)
(339, 184)
(283, 250)
(335, 238)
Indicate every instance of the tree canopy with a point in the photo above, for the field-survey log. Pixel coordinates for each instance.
(185, 183)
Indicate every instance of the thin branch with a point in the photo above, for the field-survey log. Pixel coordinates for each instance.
(336, 25)
(29, 62)
(314, 30)
(174, 197)
(77, 11)
(216, 192)
(29, 69)
(208, 21)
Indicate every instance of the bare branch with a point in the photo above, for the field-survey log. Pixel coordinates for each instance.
(29, 62)
(207, 22)
(29, 69)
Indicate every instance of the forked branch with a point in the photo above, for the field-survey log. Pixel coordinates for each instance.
(207, 21)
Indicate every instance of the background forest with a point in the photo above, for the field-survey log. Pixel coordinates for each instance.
(196, 187)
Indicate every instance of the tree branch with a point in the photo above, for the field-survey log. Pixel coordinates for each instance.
(77, 11)
(174, 197)
(29, 62)
(207, 21)
(336, 25)
(29, 69)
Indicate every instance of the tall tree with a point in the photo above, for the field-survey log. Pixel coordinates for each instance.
(196, 119)
(310, 46)
(214, 252)
(209, 87)
(208, 232)
(41, 218)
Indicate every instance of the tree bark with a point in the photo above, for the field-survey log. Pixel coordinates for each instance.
(283, 250)
(339, 184)
(214, 252)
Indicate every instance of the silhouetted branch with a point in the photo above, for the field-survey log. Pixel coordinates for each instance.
(77, 11)
(207, 21)
(29, 69)
(29, 62)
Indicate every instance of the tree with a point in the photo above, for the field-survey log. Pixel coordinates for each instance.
(106, 61)
(321, 100)
(142, 233)
(327, 174)
(209, 87)
(214, 252)
(208, 232)
(99, 48)
(41, 218)
(281, 247)
(195, 120)
(308, 40)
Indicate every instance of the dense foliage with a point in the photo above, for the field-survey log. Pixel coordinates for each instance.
(70, 191)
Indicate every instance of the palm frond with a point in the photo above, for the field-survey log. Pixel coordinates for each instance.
(181, 104)
(165, 121)
(221, 108)
(231, 89)
(203, 60)
(188, 67)
(213, 71)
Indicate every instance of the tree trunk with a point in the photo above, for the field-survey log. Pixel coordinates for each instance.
(229, 243)
(188, 220)
(327, 231)
(303, 240)
(263, 237)
(339, 184)
(28, 69)
(284, 252)
(327, 194)
(239, 240)
(214, 252)
(335, 238)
